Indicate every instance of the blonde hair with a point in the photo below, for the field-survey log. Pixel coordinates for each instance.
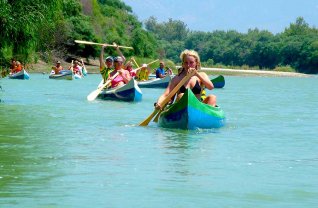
(193, 53)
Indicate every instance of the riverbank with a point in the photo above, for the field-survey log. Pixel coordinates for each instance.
(93, 67)
(245, 72)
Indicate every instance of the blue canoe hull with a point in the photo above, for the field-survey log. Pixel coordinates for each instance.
(129, 93)
(20, 75)
(155, 82)
(63, 75)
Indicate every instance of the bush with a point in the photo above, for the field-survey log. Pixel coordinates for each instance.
(286, 68)
(208, 63)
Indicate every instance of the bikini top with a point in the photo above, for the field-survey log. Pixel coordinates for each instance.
(196, 89)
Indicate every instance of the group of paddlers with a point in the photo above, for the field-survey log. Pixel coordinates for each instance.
(117, 72)
(190, 64)
(15, 67)
(116, 64)
(76, 67)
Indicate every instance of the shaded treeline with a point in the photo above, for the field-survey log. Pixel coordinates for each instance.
(41, 29)
(296, 47)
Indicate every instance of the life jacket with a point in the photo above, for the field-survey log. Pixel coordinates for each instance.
(105, 73)
(18, 68)
(203, 93)
(143, 75)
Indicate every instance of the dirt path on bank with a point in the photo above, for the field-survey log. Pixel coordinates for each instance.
(245, 72)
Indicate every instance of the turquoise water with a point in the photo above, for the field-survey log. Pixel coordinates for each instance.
(59, 150)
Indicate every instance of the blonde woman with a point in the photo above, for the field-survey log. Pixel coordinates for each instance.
(190, 61)
(143, 73)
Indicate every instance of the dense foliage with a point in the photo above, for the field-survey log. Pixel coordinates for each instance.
(296, 47)
(45, 29)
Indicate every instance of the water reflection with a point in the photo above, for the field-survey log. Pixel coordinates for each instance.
(185, 150)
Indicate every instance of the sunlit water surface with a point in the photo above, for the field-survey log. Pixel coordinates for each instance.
(59, 150)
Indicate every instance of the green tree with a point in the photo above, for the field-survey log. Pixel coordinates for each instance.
(169, 31)
(144, 43)
(20, 21)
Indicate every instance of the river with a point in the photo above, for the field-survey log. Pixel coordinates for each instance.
(59, 150)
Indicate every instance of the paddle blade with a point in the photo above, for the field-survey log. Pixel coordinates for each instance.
(147, 120)
(93, 95)
(157, 116)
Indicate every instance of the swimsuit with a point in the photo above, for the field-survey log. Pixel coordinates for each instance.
(196, 89)
(118, 79)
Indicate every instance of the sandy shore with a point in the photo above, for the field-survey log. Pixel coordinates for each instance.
(244, 72)
(42, 67)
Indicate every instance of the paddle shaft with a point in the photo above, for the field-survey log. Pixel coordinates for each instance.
(157, 116)
(72, 67)
(93, 95)
(101, 44)
(83, 63)
(84, 67)
(168, 98)
(135, 70)
(135, 61)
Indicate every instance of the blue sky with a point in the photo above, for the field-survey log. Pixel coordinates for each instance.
(239, 15)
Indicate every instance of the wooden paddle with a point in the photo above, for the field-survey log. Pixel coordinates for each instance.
(93, 95)
(168, 98)
(84, 68)
(92, 43)
(160, 111)
(158, 114)
(135, 70)
(135, 61)
(72, 66)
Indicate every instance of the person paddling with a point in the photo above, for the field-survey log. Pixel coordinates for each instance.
(108, 66)
(76, 68)
(129, 67)
(13, 65)
(123, 76)
(160, 72)
(190, 62)
(57, 68)
(16, 67)
(143, 73)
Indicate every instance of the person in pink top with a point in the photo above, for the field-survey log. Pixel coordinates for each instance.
(123, 76)
(129, 67)
(76, 68)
